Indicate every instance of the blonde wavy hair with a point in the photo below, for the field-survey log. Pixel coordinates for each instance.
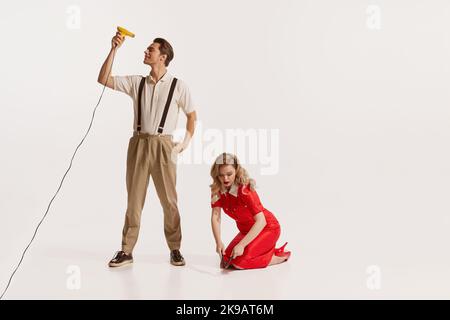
(242, 177)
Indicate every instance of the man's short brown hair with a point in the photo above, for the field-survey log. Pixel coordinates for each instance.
(165, 48)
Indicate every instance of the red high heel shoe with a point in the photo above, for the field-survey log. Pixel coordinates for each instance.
(279, 252)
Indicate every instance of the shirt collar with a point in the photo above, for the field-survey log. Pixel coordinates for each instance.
(233, 190)
(164, 78)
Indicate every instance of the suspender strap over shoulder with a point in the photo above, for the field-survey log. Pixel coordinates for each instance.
(141, 87)
(166, 108)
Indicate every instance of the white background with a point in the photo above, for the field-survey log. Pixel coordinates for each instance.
(363, 121)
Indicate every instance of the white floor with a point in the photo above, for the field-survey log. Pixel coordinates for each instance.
(150, 277)
(54, 271)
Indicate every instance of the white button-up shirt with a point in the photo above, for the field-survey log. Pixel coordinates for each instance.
(154, 97)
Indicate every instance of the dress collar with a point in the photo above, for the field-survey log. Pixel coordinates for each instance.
(233, 190)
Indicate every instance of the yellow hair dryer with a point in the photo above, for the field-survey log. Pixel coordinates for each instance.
(125, 32)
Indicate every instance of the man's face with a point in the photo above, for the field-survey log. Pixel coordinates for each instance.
(153, 55)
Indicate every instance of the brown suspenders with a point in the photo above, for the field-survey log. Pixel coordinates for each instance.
(166, 108)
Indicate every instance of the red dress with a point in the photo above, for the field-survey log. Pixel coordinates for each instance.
(241, 204)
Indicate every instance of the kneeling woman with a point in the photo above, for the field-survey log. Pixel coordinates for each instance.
(233, 191)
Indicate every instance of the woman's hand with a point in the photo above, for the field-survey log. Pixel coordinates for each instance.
(238, 250)
(220, 249)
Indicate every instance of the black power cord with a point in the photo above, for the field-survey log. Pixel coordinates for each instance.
(60, 185)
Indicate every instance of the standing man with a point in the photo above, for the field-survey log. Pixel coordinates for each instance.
(157, 100)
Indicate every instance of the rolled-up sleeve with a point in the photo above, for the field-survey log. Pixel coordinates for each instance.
(127, 84)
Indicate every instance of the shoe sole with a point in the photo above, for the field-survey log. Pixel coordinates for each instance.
(116, 265)
(178, 264)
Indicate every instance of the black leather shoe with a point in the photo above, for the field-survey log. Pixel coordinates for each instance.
(176, 258)
(121, 259)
